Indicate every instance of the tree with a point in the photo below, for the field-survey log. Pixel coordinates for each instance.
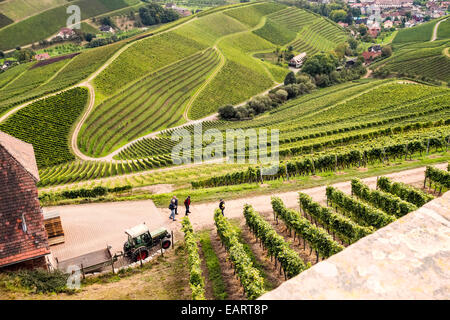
(227, 112)
(321, 63)
(88, 37)
(2, 54)
(362, 29)
(155, 14)
(24, 55)
(290, 78)
(338, 15)
(386, 51)
(353, 43)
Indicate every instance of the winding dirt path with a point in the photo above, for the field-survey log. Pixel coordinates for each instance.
(435, 30)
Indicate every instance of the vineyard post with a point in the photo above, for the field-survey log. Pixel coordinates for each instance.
(428, 146)
(287, 174)
(335, 162)
(447, 143)
(406, 152)
(376, 187)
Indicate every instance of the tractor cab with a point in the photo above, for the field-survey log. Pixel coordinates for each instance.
(138, 236)
(141, 240)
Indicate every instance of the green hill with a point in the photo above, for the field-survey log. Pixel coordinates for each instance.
(48, 23)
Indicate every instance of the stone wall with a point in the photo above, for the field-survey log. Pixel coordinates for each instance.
(408, 259)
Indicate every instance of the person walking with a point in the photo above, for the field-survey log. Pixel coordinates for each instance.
(222, 206)
(187, 204)
(176, 204)
(172, 209)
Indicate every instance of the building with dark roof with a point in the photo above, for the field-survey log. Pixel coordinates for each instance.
(23, 238)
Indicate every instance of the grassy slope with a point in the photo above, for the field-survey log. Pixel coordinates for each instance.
(47, 23)
(444, 30)
(418, 33)
(20, 9)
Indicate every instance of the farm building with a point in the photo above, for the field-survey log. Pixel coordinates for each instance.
(66, 33)
(105, 28)
(297, 61)
(374, 30)
(23, 239)
(42, 56)
(370, 56)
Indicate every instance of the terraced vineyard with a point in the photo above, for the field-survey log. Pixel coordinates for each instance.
(46, 125)
(312, 33)
(155, 103)
(23, 82)
(427, 60)
(328, 125)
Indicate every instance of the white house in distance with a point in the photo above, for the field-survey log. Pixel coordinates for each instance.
(298, 60)
(66, 33)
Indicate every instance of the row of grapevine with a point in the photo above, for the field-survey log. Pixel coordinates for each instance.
(439, 177)
(249, 276)
(324, 163)
(359, 211)
(196, 280)
(275, 244)
(404, 191)
(385, 201)
(317, 238)
(345, 228)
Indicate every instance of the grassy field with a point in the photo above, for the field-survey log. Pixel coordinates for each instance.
(47, 23)
(20, 9)
(444, 30)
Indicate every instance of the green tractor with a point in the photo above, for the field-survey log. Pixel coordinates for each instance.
(141, 240)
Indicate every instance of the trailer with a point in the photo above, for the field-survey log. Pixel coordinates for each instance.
(139, 246)
(90, 262)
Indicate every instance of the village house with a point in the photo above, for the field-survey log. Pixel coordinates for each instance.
(343, 24)
(7, 64)
(388, 24)
(298, 60)
(23, 238)
(42, 56)
(370, 56)
(106, 28)
(374, 30)
(66, 33)
(181, 11)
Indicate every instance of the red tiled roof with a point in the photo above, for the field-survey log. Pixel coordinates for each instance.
(24, 256)
(370, 55)
(22, 152)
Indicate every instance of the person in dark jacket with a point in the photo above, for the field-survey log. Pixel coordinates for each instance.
(187, 204)
(222, 206)
(176, 204)
(172, 209)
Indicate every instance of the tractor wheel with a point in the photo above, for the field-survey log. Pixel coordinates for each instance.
(141, 255)
(166, 244)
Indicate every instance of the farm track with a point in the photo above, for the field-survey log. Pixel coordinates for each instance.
(435, 30)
